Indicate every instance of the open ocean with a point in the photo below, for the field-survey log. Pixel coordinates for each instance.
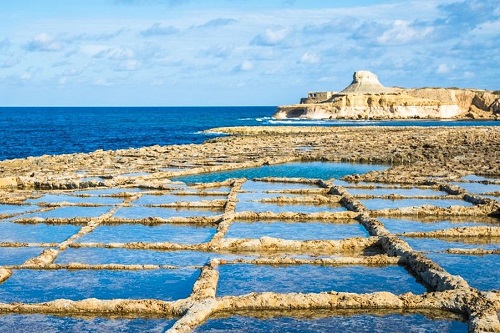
(35, 131)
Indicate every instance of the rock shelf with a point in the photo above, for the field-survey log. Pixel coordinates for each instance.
(433, 163)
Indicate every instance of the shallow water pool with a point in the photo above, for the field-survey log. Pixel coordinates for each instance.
(17, 255)
(32, 286)
(321, 170)
(390, 323)
(128, 233)
(172, 198)
(35, 233)
(36, 323)
(16, 209)
(240, 279)
(480, 272)
(71, 212)
(415, 225)
(281, 208)
(410, 192)
(376, 204)
(57, 198)
(296, 230)
(100, 256)
(437, 245)
(140, 212)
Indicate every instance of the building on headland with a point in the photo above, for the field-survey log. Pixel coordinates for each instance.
(367, 98)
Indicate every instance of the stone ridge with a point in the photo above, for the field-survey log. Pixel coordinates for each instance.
(367, 98)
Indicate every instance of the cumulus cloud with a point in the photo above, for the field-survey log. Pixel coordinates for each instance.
(309, 58)
(245, 66)
(401, 32)
(105, 36)
(217, 51)
(116, 53)
(159, 30)
(218, 22)
(271, 37)
(43, 42)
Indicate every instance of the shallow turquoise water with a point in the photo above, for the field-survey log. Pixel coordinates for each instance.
(258, 186)
(480, 272)
(414, 192)
(127, 233)
(171, 198)
(31, 286)
(239, 279)
(71, 212)
(436, 245)
(376, 204)
(140, 212)
(478, 188)
(322, 170)
(17, 255)
(16, 209)
(36, 323)
(407, 225)
(56, 198)
(296, 230)
(96, 256)
(363, 323)
(35, 233)
(280, 208)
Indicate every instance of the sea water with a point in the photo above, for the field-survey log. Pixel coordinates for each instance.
(60, 130)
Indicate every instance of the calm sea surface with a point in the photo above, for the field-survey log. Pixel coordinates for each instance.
(43, 130)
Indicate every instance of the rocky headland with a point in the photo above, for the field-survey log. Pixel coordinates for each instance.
(367, 98)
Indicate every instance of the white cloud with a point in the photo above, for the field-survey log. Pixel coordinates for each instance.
(43, 42)
(245, 66)
(309, 58)
(444, 69)
(402, 32)
(158, 30)
(271, 37)
(128, 65)
(116, 53)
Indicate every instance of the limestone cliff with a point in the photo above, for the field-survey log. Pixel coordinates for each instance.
(366, 98)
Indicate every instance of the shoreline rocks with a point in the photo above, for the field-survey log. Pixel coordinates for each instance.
(366, 98)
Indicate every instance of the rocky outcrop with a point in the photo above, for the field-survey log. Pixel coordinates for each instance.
(367, 98)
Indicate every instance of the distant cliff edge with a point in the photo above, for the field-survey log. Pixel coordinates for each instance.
(367, 98)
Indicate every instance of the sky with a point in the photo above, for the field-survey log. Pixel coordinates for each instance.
(237, 52)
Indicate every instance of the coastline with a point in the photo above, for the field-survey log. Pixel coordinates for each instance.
(428, 158)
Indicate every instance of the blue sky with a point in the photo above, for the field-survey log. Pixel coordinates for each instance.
(237, 52)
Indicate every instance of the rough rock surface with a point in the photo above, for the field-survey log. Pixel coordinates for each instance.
(366, 98)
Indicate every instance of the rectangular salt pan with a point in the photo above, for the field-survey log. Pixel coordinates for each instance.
(296, 230)
(407, 225)
(100, 256)
(410, 192)
(281, 208)
(436, 245)
(71, 212)
(33, 286)
(390, 323)
(35, 233)
(376, 204)
(58, 198)
(171, 198)
(240, 279)
(36, 323)
(128, 233)
(16, 209)
(138, 212)
(17, 255)
(480, 272)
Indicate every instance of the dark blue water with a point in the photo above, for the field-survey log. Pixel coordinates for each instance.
(34, 131)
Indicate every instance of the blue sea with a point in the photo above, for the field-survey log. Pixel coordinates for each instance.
(35, 131)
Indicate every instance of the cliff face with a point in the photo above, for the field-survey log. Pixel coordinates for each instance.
(366, 98)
